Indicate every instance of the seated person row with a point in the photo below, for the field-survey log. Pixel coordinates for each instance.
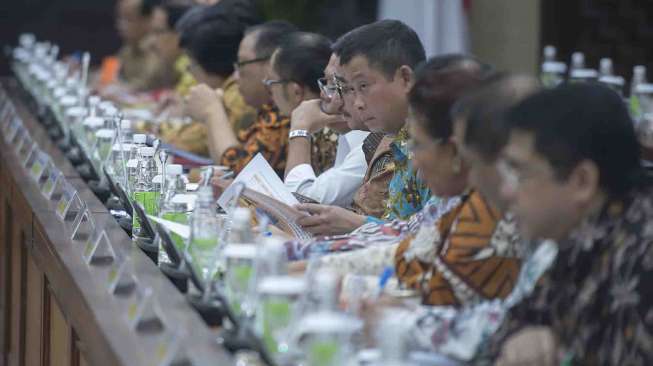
(441, 232)
(139, 69)
(210, 38)
(570, 172)
(377, 62)
(268, 134)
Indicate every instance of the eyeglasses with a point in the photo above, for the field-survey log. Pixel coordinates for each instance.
(330, 90)
(414, 146)
(269, 82)
(240, 64)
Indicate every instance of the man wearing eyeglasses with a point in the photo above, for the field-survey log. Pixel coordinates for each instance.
(377, 61)
(269, 133)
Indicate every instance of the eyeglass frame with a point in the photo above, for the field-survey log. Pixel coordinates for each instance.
(239, 64)
(413, 147)
(269, 82)
(322, 83)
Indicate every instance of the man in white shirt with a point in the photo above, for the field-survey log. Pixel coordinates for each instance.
(337, 185)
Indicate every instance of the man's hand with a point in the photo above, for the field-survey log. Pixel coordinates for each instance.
(308, 116)
(201, 101)
(329, 220)
(530, 346)
(219, 183)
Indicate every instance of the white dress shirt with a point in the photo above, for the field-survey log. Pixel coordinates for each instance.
(337, 185)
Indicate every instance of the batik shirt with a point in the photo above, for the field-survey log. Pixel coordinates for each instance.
(370, 235)
(371, 199)
(324, 145)
(598, 296)
(461, 334)
(193, 136)
(268, 136)
(407, 193)
(470, 254)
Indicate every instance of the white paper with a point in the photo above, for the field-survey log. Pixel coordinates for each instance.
(259, 176)
(179, 229)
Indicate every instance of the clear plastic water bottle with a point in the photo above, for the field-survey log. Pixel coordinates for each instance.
(392, 340)
(552, 73)
(144, 192)
(577, 61)
(278, 297)
(639, 77)
(126, 131)
(204, 235)
(132, 161)
(605, 67)
(549, 54)
(118, 153)
(173, 209)
(240, 254)
(327, 333)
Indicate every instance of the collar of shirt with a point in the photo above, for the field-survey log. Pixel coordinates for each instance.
(399, 146)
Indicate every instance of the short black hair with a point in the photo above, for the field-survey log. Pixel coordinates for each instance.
(439, 83)
(270, 35)
(386, 44)
(175, 10)
(302, 57)
(584, 121)
(213, 44)
(242, 11)
(147, 6)
(483, 111)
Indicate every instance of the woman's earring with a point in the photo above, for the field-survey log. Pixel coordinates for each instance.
(456, 165)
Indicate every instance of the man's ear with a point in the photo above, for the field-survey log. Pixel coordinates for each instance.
(296, 92)
(585, 181)
(404, 75)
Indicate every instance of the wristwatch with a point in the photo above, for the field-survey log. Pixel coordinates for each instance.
(299, 133)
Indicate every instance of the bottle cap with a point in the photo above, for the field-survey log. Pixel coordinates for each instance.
(584, 74)
(282, 286)
(242, 215)
(105, 133)
(146, 151)
(644, 89)
(549, 53)
(578, 59)
(125, 147)
(68, 101)
(140, 138)
(76, 112)
(125, 124)
(612, 80)
(94, 100)
(554, 67)
(240, 251)
(174, 169)
(605, 66)
(94, 122)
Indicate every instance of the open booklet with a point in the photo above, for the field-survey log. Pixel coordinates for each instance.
(265, 191)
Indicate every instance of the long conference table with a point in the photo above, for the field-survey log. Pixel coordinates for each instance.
(68, 297)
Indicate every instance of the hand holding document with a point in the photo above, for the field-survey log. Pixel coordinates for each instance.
(265, 191)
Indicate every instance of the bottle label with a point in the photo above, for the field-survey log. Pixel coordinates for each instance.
(180, 218)
(237, 285)
(323, 353)
(203, 253)
(276, 318)
(150, 203)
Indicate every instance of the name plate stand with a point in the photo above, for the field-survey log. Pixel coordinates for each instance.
(38, 167)
(68, 195)
(98, 250)
(52, 180)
